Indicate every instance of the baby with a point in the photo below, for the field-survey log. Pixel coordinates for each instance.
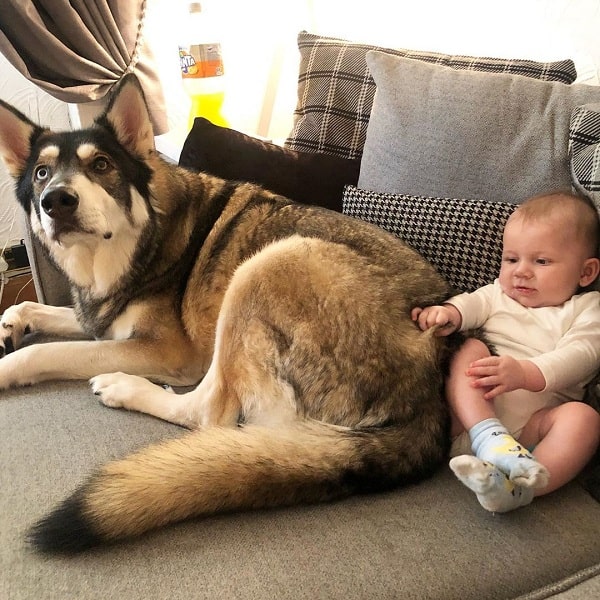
(516, 401)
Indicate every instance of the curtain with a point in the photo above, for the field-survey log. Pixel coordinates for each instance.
(76, 50)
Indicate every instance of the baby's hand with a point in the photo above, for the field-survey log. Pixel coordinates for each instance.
(499, 374)
(440, 317)
(504, 374)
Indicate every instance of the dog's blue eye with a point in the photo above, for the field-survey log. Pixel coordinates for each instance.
(42, 173)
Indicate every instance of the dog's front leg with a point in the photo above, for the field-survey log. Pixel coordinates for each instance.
(204, 406)
(34, 317)
(86, 359)
(120, 390)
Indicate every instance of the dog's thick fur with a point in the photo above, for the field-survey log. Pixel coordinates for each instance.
(314, 382)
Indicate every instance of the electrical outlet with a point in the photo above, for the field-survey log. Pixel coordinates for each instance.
(16, 256)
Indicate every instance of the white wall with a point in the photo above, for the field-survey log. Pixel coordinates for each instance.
(259, 38)
(39, 107)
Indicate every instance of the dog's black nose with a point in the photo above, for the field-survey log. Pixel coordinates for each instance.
(59, 202)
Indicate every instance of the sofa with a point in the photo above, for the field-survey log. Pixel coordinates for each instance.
(439, 150)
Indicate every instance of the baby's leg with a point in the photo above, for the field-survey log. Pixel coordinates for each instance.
(467, 404)
(491, 442)
(565, 439)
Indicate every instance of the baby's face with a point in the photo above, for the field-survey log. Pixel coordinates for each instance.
(542, 262)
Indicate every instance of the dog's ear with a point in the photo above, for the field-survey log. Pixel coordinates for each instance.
(16, 135)
(128, 116)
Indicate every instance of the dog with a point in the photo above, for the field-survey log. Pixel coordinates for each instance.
(293, 323)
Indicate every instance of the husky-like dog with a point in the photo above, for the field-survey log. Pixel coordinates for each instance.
(314, 382)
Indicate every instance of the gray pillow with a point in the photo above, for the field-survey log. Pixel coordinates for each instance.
(436, 131)
(335, 89)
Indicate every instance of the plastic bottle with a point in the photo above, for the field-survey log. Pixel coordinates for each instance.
(202, 70)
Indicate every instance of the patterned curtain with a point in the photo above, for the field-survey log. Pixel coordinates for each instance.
(76, 50)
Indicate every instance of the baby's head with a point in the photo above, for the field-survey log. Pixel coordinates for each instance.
(576, 219)
(550, 249)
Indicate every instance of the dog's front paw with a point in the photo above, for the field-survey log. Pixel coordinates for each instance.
(12, 329)
(111, 388)
(120, 390)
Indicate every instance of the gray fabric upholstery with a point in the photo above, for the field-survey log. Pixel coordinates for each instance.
(427, 541)
(437, 131)
(51, 286)
(583, 585)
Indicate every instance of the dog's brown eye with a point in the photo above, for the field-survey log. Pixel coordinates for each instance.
(100, 164)
(42, 173)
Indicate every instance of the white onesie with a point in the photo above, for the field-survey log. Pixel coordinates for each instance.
(562, 341)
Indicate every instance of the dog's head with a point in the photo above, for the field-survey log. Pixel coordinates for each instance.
(85, 186)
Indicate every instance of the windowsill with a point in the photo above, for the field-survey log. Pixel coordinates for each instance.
(170, 144)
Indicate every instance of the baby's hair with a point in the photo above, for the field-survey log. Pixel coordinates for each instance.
(580, 210)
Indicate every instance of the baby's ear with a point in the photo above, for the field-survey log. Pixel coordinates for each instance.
(591, 268)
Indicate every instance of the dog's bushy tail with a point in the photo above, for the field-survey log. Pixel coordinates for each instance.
(223, 470)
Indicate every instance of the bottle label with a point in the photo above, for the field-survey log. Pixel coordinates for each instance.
(201, 60)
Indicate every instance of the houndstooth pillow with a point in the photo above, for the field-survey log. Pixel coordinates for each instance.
(336, 90)
(461, 238)
(584, 150)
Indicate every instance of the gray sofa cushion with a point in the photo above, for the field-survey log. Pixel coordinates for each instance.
(431, 540)
(436, 131)
(335, 89)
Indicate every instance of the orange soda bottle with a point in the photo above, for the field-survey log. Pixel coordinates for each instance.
(202, 72)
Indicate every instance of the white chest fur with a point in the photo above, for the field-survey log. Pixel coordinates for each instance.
(99, 254)
(124, 326)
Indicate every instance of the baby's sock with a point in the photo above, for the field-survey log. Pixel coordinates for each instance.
(492, 443)
(494, 490)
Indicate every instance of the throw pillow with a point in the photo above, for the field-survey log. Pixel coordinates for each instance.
(436, 131)
(461, 238)
(584, 150)
(309, 178)
(335, 89)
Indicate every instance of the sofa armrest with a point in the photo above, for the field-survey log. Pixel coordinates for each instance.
(51, 286)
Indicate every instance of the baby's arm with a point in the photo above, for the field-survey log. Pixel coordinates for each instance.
(576, 358)
(446, 318)
(570, 365)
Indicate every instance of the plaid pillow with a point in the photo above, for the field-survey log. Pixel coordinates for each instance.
(584, 150)
(336, 90)
(461, 238)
